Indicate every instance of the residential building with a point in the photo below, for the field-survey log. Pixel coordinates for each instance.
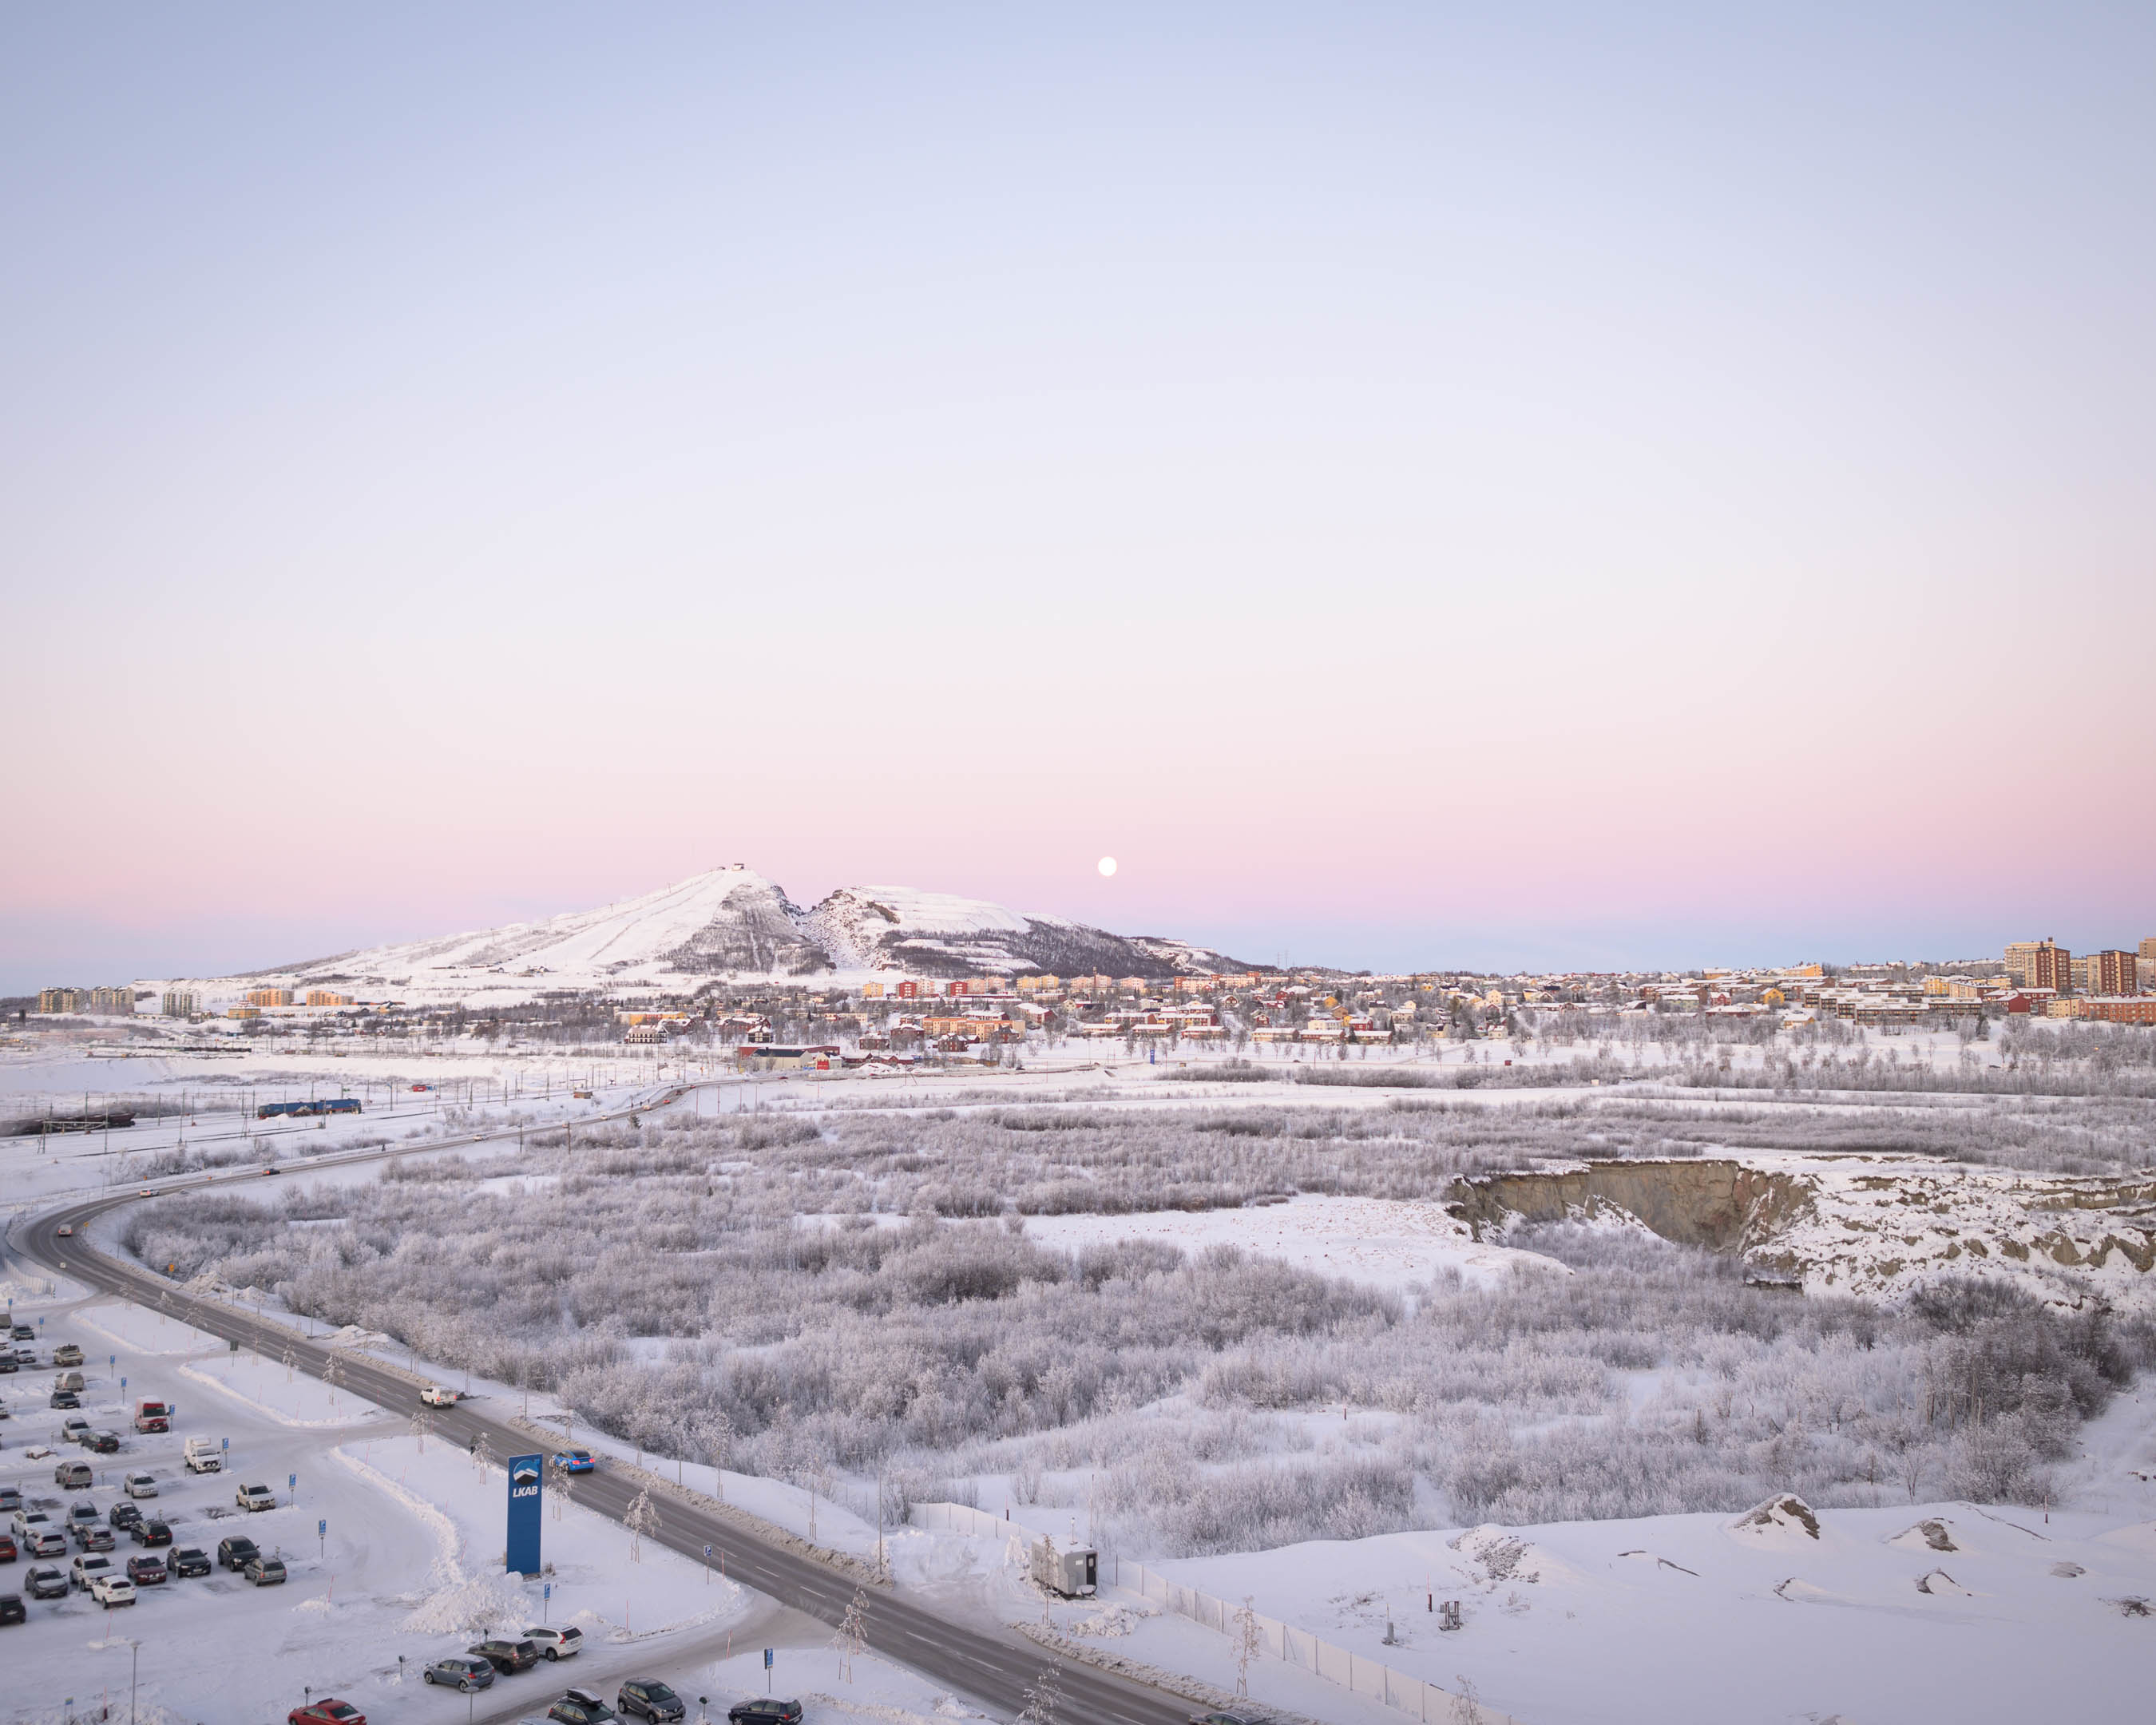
(327, 997)
(2148, 950)
(268, 997)
(120, 1001)
(2120, 1009)
(179, 1004)
(2113, 972)
(242, 1012)
(61, 999)
(2041, 964)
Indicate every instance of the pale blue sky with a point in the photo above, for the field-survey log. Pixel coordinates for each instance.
(1416, 484)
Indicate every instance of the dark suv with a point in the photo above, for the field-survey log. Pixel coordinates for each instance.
(648, 1698)
(507, 1657)
(765, 1710)
(232, 1554)
(187, 1560)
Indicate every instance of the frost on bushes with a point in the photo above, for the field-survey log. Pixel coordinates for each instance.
(862, 1293)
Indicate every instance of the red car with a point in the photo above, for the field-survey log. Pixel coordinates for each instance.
(8, 1552)
(328, 1711)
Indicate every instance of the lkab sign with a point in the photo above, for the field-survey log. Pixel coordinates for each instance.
(524, 1518)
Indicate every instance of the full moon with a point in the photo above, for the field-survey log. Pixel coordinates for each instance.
(1108, 866)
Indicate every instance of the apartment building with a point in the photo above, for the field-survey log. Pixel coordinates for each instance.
(2041, 964)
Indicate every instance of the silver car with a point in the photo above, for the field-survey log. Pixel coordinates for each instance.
(461, 1672)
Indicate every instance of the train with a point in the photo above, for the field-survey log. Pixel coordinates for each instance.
(334, 1105)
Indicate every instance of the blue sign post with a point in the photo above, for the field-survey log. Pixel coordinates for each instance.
(522, 1545)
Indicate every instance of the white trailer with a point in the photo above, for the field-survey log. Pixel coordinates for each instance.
(1073, 1572)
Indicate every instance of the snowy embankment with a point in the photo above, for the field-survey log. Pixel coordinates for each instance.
(655, 1592)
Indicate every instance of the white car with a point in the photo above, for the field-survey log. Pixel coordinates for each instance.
(27, 1521)
(555, 1643)
(111, 1590)
(139, 1485)
(252, 1497)
(435, 1395)
(203, 1456)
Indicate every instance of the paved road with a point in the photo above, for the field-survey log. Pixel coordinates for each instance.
(992, 1669)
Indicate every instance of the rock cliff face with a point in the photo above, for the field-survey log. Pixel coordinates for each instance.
(1723, 1206)
(1879, 1226)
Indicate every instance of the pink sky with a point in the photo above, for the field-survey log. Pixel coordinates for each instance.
(1415, 490)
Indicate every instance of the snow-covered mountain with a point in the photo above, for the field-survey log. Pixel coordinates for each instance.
(941, 934)
(733, 923)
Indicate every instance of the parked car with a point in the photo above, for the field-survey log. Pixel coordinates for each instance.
(65, 1398)
(26, 1355)
(507, 1657)
(73, 1476)
(203, 1456)
(48, 1543)
(70, 1380)
(102, 1442)
(145, 1571)
(187, 1559)
(153, 1416)
(575, 1461)
(86, 1568)
(73, 1427)
(765, 1710)
(8, 1362)
(139, 1485)
(648, 1698)
(68, 1353)
(111, 1590)
(92, 1537)
(80, 1515)
(22, 1333)
(460, 1671)
(328, 1711)
(555, 1643)
(8, 1552)
(253, 1497)
(264, 1571)
(11, 1608)
(232, 1552)
(580, 1707)
(11, 1499)
(123, 1514)
(151, 1532)
(45, 1583)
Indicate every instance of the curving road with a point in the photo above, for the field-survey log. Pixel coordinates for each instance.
(993, 1670)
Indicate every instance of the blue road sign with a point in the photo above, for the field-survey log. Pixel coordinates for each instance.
(766, 1659)
(322, 1528)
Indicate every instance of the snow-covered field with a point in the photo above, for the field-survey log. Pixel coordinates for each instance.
(1678, 1617)
(1935, 1613)
(1403, 1245)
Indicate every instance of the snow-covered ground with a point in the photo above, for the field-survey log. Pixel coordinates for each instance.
(1927, 1614)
